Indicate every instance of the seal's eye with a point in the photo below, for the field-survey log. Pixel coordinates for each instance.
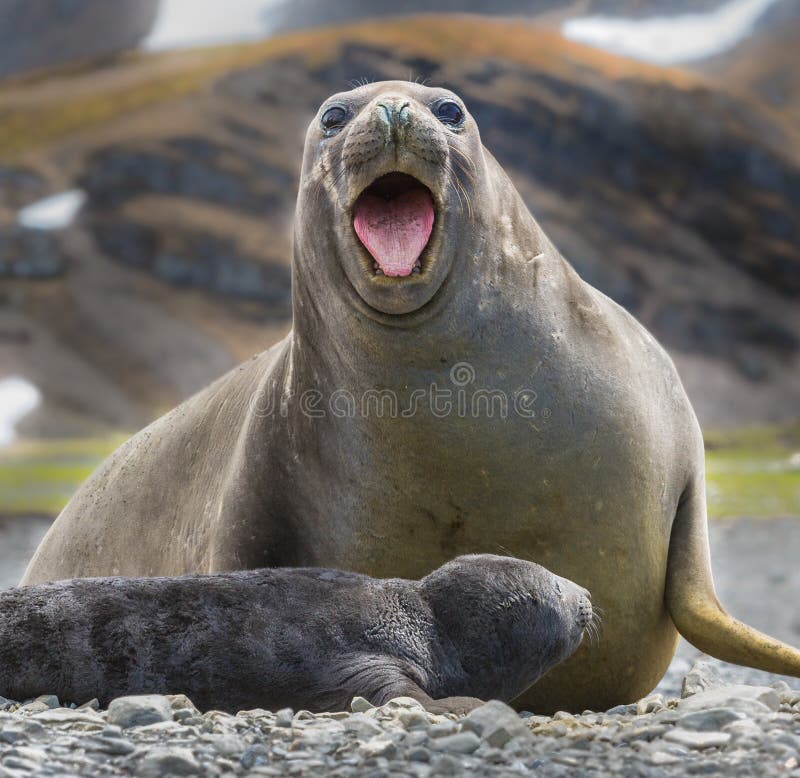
(334, 118)
(449, 113)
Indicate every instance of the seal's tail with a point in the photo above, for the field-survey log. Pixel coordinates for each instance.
(693, 604)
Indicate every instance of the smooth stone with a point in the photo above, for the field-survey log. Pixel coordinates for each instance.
(363, 726)
(622, 710)
(496, 723)
(379, 746)
(360, 705)
(752, 699)
(19, 728)
(107, 745)
(447, 765)
(418, 754)
(789, 739)
(162, 728)
(31, 754)
(139, 710)
(535, 720)
(75, 719)
(460, 743)
(167, 761)
(417, 737)
(651, 704)
(17, 763)
(182, 702)
(697, 740)
(335, 715)
(400, 703)
(662, 758)
(710, 719)
(701, 677)
(744, 733)
(442, 728)
(284, 717)
(413, 719)
(35, 706)
(303, 717)
(254, 713)
(255, 755)
(49, 699)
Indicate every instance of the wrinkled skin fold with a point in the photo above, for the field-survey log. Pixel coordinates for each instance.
(597, 471)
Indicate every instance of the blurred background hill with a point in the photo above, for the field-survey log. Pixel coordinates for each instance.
(148, 170)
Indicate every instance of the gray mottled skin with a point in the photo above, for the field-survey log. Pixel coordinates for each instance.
(479, 627)
(605, 484)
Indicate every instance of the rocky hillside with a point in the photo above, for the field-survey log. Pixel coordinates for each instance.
(764, 65)
(675, 195)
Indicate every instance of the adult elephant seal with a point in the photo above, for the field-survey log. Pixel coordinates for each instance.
(450, 385)
(481, 626)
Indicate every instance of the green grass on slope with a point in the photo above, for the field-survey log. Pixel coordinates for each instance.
(39, 477)
(750, 472)
(753, 472)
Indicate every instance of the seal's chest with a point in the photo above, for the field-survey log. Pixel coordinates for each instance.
(495, 489)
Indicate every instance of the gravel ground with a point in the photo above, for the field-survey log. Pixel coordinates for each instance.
(735, 730)
(724, 727)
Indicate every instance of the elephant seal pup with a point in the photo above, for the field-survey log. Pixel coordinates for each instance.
(481, 626)
(450, 386)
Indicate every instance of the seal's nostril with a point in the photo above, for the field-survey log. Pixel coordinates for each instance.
(385, 112)
(394, 113)
(404, 115)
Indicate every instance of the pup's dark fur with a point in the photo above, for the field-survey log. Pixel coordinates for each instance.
(481, 626)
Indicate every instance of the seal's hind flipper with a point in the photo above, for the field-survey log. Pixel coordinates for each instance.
(693, 604)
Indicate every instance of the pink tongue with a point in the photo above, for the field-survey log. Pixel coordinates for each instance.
(395, 231)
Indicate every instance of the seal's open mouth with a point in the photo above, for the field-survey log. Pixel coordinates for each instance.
(393, 218)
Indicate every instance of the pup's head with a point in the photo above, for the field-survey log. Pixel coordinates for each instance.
(509, 621)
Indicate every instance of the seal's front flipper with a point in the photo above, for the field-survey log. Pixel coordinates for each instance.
(693, 604)
(401, 686)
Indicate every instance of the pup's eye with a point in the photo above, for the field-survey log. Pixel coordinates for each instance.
(449, 113)
(334, 118)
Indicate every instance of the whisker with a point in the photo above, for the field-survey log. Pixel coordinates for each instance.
(465, 193)
(456, 188)
(451, 144)
(459, 159)
(460, 165)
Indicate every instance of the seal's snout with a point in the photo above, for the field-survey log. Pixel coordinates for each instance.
(590, 617)
(585, 610)
(395, 112)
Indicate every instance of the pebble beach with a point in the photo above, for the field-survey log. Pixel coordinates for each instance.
(714, 729)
